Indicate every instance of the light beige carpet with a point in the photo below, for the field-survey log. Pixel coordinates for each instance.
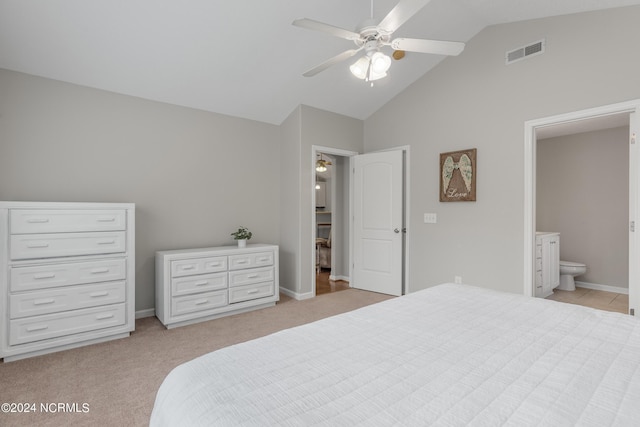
(115, 383)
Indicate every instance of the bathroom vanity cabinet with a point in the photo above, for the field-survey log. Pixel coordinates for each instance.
(547, 263)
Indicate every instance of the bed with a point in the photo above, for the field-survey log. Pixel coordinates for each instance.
(451, 355)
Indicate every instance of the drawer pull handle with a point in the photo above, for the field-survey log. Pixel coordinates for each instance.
(104, 316)
(106, 242)
(44, 276)
(242, 261)
(37, 245)
(44, 301)
(253, 291)
(111, 219)
(37, 328)
(214, 264)
(201, 283)
(252, 276)
(99, 270)
(188, 267)
(264, 259)
(38, 220)
(99, 294)
(202, 301)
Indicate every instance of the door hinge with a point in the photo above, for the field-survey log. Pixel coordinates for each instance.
(632, 226)
(632, 312)
(633, 138)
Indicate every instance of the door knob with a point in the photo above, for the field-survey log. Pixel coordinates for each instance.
(395, 230)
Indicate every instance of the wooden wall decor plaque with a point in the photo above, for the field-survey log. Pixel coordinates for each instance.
(458, 176)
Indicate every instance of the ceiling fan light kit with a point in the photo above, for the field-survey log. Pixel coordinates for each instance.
(371, 36)
(371, 67)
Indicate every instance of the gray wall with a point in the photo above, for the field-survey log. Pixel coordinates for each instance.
(476, 101)
(327, 129)
(305, 127)
(582, 191)
(194, 176)
(290, 218)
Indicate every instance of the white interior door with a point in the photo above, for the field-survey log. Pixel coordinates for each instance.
(378, 222)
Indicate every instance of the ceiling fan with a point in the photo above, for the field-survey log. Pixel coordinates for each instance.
(372, 35)
(321, 164)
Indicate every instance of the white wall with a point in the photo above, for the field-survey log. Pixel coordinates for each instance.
(583, 192)
(194, 176)
(476, 101)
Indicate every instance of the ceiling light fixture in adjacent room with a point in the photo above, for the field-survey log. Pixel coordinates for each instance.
(321, 165)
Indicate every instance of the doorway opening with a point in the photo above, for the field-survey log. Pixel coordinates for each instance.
(582, 203)
(612, 116)
(331, 207)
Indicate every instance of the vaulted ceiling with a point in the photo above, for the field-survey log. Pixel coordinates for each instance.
(241, 58)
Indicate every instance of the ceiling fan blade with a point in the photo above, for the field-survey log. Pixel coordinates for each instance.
(428, 46)
(400, 14)
(310, 24)
(328, 63)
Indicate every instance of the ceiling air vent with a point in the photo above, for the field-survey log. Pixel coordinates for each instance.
(523, 52)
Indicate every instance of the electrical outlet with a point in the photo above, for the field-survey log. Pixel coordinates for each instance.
(457, 279)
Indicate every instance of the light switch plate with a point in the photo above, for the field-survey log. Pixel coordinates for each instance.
(430, 218)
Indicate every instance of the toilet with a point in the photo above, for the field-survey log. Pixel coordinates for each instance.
(569, 270)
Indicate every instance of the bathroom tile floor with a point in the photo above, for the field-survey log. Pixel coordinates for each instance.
(602, 300)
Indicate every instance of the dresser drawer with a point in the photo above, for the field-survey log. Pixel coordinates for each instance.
(190, 267)
(75, 273)
(30, 246)
(39, 328)
(254, 275)
(257, 259)
(194, 284)
(199, 302)
(249, 292)
(65, 299)
(31, 221)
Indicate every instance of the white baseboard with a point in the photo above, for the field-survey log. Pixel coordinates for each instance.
(296, 295)
(343, 278)
(149, 312)
(607, 288)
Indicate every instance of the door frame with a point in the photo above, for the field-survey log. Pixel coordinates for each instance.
(530, 146)
(315, 149)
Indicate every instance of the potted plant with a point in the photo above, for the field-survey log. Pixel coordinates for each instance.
(242, 235)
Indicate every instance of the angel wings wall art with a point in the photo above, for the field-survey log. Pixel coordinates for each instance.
(458, 176)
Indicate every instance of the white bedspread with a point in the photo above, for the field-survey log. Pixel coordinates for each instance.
(452, 355)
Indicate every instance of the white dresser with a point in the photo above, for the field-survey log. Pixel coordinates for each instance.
(67, 275)
(193, 285)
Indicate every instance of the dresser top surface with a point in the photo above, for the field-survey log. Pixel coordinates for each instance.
(65, 205)
(228, 250)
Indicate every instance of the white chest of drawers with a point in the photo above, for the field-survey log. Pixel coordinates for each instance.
(67, 275)
(193, 285)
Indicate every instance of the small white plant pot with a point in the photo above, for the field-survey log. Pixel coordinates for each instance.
(242, 243)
